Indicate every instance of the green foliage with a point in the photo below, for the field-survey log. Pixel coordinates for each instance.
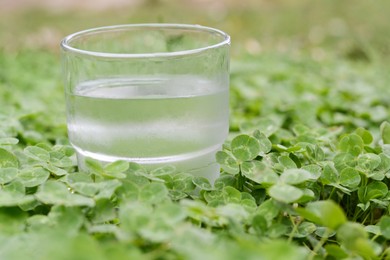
(304, 174)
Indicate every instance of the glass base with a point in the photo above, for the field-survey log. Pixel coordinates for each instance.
(201, 164)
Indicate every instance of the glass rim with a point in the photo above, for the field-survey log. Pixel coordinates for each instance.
(66, 42)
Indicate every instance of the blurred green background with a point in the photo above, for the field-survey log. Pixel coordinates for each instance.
(352, 29)
(330, 55)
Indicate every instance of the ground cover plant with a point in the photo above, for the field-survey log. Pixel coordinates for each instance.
(304, 173)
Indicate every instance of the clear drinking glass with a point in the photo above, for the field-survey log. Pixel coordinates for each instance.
(154, 94)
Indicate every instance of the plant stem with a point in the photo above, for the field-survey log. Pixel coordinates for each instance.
(295, 228)
(319, 244)
(358, 212)
(241, 180)
(331, 193)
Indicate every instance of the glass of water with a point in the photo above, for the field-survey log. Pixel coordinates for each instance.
(154, 94)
